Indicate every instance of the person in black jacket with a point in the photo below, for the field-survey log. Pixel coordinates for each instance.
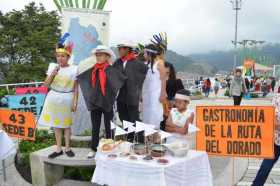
(130, 93)
(100, 85)
(173, 84)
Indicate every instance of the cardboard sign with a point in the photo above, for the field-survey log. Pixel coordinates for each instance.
(32, 90)
(27, 103)
(18, 124)
(240, 131)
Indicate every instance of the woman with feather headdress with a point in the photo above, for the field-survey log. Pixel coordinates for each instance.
(61, 101)
(154, 87)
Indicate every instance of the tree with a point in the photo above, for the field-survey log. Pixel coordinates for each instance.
(27, 42)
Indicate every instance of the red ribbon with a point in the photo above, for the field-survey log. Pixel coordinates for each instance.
(101, 67)
(129, 57)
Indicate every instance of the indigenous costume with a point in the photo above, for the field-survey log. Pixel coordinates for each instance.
(152, 107)
(100, 85)
(129, 95)
(57, 110)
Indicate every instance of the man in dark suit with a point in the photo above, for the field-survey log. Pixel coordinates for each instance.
(130, 93)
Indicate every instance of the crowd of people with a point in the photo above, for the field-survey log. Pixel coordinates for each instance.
(142, 84)
(258, 85)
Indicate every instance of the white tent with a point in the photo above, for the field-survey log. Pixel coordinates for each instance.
(260, 67)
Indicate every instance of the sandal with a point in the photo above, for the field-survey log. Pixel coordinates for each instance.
(55, 155)
(70, 153)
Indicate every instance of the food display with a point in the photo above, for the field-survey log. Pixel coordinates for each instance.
(143, 152)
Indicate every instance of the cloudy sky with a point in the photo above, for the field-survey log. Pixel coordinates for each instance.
(193, 26)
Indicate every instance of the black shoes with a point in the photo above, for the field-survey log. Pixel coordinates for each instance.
(55, 155)
(70, 153)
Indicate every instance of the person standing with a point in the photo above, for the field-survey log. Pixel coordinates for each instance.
(173, 84)
(62, 98)
(237, 87)
(216, 87)
(273, 84)
(100, 85)
(206, 87)
(267, 164)
(130, 93)
(154, 88)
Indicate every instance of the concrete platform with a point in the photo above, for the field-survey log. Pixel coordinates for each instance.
(80, 159)
(48, 172)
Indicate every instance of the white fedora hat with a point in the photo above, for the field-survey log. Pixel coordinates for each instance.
(104, 49)
(128, 44)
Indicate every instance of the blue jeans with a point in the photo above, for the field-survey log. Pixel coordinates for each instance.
(266, 167)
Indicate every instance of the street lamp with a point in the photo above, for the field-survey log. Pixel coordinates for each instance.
(236, 6)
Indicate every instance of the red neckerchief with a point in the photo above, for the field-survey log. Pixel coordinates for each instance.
(129, 57)
(101, 67)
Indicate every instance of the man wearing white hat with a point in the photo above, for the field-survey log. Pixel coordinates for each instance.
(129, 95)
(100, 85)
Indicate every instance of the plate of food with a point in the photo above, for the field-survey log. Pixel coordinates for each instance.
(108, 145)
(148, 158)
(112, 156)
(124, 154)
(134, 158)
(163, 161)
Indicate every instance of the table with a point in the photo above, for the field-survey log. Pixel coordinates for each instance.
(192, 170)
(7, 148)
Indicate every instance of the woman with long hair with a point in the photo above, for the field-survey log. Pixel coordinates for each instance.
(154, 87)
(173, 84)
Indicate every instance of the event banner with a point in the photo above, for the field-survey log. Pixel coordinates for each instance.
(17, 124)
(32, 90)
(237, 131)
(27, 103)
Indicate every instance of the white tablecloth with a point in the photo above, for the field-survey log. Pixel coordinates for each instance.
(7, 146)
(193, 170)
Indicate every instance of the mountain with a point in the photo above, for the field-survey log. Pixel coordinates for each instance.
(189, 65)
(268, 55)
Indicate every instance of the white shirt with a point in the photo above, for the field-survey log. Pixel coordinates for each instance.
(178, 118)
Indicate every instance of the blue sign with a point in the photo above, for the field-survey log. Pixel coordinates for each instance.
(27, 103)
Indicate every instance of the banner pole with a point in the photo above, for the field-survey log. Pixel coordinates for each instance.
(233, 169)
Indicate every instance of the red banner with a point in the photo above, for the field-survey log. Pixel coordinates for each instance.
(32, 90)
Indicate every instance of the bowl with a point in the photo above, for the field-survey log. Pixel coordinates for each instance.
(158, 150)
(178, 149)
(182, 152)
(139, 149)
(125, 147)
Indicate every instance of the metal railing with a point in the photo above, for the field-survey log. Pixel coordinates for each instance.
(7, 86)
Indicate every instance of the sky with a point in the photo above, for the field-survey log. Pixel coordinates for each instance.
(193, 26)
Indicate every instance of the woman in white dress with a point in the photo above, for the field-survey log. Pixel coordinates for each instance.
(154, 87)
(61, 101)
